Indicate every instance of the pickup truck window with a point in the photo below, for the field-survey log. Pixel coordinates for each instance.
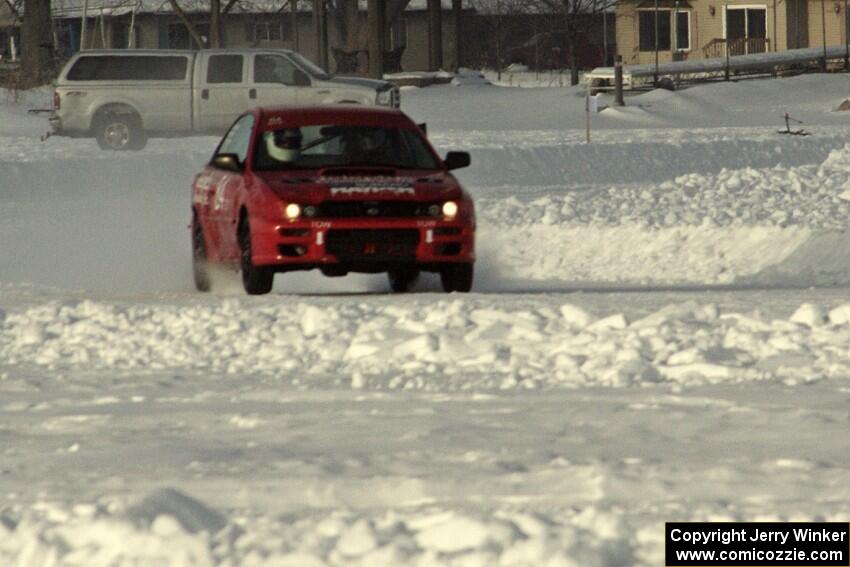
(128, 68)
(224, 69)
(310, 67)
(273, 69)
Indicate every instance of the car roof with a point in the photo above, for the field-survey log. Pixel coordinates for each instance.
(275, 117)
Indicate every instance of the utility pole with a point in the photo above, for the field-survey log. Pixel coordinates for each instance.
(846, 39)
(435, 35)
(320, 25)
(618, 82)
(376, 10)
(823, 31)
(293, 23)
(655, 75)
(457, 14)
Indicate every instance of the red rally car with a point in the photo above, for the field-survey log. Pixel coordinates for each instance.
(342, 189)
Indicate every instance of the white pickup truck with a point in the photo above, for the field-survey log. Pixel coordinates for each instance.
(121, 97)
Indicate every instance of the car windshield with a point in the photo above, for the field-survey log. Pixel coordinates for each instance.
(310, 67)
(315, 147)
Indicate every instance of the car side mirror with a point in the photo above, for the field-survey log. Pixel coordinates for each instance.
(423, 127)
(227, 162)
(300, 78)
(456, 160)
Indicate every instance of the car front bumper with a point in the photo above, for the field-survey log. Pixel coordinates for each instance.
(355, 245)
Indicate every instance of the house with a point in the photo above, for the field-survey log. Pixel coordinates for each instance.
(271, 23)
(698, 29)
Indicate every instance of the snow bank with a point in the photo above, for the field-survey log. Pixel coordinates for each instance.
(562, 159)
(453, 345)
(595, 535)
(86, 536)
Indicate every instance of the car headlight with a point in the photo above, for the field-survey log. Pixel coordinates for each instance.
(385, 98)
(450, 209)
(292, 211)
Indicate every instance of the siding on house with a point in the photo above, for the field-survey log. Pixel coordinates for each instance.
(789, 24)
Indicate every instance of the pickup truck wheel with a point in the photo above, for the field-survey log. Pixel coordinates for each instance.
(257, 280)
(199, 257)
(402, 279)
(456, 277)
(120, 132)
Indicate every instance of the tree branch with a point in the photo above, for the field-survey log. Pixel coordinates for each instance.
(14, 10)
(229, 6)
(189, 26)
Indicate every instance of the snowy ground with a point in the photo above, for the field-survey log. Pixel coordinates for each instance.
(659, 330)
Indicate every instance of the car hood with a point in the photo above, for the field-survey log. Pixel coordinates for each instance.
(408, 186)
(376, 84)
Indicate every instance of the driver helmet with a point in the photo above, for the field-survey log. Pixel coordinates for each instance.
(371, 139)
(284, 145)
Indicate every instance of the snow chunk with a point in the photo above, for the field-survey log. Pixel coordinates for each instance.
(575, 316)
(809, 314)
(840, 315)
(457, 534)
(357, 539)
(611, 322)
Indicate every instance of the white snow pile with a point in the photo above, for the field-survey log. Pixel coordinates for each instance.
(88, 536)
(815, 196)
(785, 224)
(453, 345)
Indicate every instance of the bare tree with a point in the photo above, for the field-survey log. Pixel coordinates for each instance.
(499, 21)
(216, 11)
(36, 43)
(579, 17)
(351, 28)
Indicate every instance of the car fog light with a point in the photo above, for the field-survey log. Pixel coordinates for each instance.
(310, 211)
(292, 211)
(450, 209)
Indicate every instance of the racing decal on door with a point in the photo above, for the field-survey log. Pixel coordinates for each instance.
(220, 193)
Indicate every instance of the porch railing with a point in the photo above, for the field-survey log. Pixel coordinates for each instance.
(740, 46)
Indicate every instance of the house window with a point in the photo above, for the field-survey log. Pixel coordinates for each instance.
(10, 44)
(683, 31)
(122, 38)
(398, 34)
(180, 38)
(67, 37)
(258, 32)
(646, 22)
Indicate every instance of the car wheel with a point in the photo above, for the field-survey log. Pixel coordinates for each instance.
(667, 84)
(402, 279)
(257, 280)
(456, 277)
(119, 132)
(200, 270)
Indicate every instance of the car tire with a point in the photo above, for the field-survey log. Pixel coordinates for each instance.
(667, 84)
(457, 277)
(256, 280)
(402, 279)
(200, 269)
(120, 132)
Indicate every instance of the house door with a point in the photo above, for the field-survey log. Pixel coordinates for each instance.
(746, 30)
